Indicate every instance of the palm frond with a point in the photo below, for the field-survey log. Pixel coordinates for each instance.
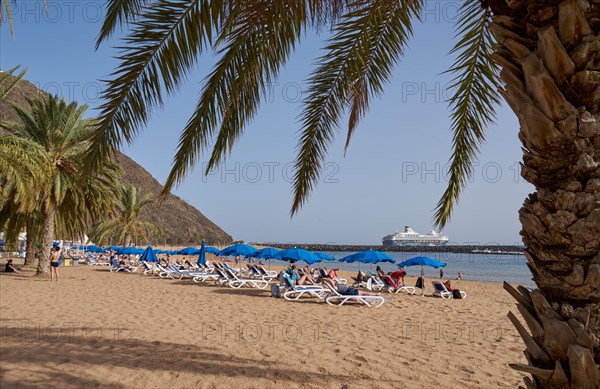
(473, 103)
(8, 16)
(366, 45)
(8, 80)
(118, 13)
(259, 38)
(160, 51)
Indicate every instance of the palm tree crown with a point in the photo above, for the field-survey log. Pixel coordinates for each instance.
(126, 226)
(254, 39)
(65, 196)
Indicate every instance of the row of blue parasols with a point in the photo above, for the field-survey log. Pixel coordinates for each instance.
(297, 254)
(292, 254)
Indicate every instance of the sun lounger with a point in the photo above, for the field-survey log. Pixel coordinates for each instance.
(201, 277)
(442, 291)
(258, 271)
(335, 298)
(337, 280)
(373, 283)
(294, 292)
(149, 268)
(163, 272)
(116, 268)
(235, 282)
(392, 287)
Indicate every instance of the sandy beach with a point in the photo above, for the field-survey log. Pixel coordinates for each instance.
(95, 328)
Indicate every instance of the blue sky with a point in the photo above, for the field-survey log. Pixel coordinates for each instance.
(392, 175)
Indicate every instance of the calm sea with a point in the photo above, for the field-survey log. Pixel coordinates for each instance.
(477, 267)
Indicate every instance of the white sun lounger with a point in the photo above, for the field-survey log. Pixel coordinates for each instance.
(260, 272)
(116, 268)
(335, 298)
(392, 287)
(178, 274)
(373, 283)
(235, 282)
(294, 292)
(442, 291)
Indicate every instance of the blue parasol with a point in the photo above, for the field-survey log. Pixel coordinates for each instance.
(202, 254)
(212, 250)
(326, 257)
(237, 249)
(188, 251)
(296, 254)
(368, 256)
(149, 255)
(422, 261)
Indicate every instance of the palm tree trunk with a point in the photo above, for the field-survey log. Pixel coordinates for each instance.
(549, 53)
(47, 238)
(30, 258)
(127, 240)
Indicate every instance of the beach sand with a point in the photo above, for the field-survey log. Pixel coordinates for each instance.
(95, 328)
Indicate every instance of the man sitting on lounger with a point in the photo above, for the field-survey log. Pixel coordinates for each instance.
(345, 290)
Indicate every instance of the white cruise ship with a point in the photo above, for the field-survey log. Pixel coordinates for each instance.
(412, 238)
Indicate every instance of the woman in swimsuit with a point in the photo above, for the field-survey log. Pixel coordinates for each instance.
(54, 257)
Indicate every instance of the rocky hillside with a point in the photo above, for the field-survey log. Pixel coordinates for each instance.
(181, 223)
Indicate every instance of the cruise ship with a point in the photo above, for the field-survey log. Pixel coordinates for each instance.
(412, 238)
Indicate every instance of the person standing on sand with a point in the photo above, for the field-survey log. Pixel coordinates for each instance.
(54, 257)
(441, 274)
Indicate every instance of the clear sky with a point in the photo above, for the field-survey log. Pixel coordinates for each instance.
(392, 175)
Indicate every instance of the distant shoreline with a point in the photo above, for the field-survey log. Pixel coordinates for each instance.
(476, 249)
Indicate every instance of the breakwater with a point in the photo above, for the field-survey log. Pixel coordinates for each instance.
(483, 249)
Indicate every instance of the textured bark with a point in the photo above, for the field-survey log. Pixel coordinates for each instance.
(550, 54)
(47, 238)
(30, 258)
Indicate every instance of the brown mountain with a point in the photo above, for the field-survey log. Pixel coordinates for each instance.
(181, 223)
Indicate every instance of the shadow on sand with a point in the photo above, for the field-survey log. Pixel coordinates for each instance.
(41, 352)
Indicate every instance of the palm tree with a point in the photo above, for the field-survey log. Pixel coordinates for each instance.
(547, 50)
(18, 174)
(126, 226)
(66, 197)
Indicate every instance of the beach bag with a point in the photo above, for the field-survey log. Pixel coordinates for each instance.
(456, 294)
(419, 283)
(275, 290)
(60, 260)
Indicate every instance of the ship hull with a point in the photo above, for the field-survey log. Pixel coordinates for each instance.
(414, 243)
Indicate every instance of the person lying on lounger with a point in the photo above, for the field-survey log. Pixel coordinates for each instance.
(310, 272)
(345, 290)
(305, 279)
